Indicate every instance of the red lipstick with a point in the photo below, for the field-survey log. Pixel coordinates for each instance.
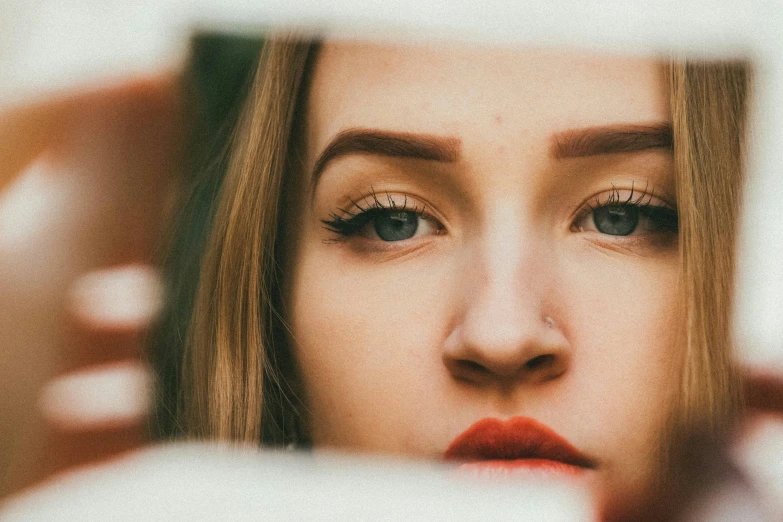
(518, 444)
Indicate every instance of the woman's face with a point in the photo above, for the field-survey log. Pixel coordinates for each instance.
(485, 234)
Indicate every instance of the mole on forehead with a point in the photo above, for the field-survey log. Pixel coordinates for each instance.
(353, 89)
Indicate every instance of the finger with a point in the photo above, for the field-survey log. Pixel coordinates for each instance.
(98, 398)
(758, 453)
(110, 311)
(94, 414)
(97, 407)
(764, 391)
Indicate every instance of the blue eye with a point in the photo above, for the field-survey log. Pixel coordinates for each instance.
(382, 219)
(395, 225)
(626, 219)
(616, 220)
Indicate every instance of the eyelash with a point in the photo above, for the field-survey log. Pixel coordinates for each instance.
(347, 222)
(662, 213)
(350, 221)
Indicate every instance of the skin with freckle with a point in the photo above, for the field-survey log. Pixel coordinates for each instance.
(403, 344)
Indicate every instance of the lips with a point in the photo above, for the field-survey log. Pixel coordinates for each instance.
(519, 443)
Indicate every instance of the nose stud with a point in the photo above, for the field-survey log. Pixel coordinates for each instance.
(549, 322)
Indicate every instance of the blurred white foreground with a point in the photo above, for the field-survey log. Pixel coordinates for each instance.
(193, 482)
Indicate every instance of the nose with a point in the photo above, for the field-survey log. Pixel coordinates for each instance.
(507, 333)
(487, 355)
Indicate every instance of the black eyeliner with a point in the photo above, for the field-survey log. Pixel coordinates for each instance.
(662, 214)
(349, 221)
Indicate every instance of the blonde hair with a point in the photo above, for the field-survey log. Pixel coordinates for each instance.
(235, 337)
(230, 352)
(708, 108)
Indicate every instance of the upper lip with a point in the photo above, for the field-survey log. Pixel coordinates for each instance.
(515, 438)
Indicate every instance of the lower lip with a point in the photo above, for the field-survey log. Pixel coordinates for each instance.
(522, 468)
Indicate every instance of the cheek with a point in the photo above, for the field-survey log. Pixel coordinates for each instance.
(368, 341)
(623, 323)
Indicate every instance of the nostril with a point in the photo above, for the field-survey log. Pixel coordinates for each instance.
(472, 366)
(469, 371)
(539, 362)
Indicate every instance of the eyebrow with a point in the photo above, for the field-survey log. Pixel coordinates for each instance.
(572, 143)
(391, 144)
(611, 139)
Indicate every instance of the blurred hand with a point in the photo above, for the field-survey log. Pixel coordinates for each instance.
(738, 479)
(86, 182)
(759, 448)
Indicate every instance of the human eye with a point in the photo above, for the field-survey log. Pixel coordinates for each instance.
(623, 213)
(385, 217)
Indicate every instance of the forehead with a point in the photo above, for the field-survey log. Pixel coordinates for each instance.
(467, 90)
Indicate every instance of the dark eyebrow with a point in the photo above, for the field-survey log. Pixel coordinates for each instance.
(387, 143)
(612, 139)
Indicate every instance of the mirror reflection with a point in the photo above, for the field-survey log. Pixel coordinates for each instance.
(500, 257)
(517, 262)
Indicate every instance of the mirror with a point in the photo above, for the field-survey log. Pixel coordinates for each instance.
(523, 258)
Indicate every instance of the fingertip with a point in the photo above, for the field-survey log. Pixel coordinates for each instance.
(100, 397)
(123, 298)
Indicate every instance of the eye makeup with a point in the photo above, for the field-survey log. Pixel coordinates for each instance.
(383, 217)
(626, 212)
(384, 220)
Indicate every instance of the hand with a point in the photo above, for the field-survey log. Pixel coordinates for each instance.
(737, 479)
(85, 184)
(759, 448)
